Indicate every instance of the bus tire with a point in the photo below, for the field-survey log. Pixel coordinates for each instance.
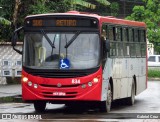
(106, 105)
(131, 99)
(40, 106)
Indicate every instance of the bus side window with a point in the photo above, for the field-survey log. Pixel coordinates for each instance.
(112, 38)
(143, 43)
(119, 41)
(103, 39)
(130, 35)
(110, 33)
(119, 34)
(136, 35)
(131, 40)
(104, 31)
(126, 45)
(137, 43)
(125, 35)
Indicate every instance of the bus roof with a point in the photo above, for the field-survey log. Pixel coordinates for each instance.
(102, 19)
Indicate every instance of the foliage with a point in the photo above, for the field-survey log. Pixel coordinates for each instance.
(39, 7)
(150, 14)
(4, 21)
(4, 29)
(114, 8)
(6, 12)
(5, 32)
(154, 73)
(16, 13)
(7, 9)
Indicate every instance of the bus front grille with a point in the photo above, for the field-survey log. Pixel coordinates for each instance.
(55, 86)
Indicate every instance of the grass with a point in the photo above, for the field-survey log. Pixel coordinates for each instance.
(154, 73)
(6, 99)
(10, 99)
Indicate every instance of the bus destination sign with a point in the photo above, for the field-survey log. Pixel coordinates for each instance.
(65, 22)
(62, 22)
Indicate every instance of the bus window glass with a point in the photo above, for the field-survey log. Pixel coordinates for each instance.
(113, 49)
(133, 49)
(119, 34)
(143, 49)
(120, 49)
(142, 36)
(138, 49)
(125, 35)
(83, 53)
(110, 33)
(104, 32)
(126, 49)
(136, 35)
(130, 35)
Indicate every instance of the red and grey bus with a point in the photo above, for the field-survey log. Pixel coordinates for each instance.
(82, 57)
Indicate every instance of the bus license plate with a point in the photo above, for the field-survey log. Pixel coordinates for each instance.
(59, 94)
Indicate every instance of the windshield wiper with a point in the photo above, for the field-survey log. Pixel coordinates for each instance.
(47, 38)
(72, 39)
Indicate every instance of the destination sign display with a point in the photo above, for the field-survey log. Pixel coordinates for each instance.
(62, 22)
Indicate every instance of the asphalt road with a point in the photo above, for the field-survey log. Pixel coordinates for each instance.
(147, 104)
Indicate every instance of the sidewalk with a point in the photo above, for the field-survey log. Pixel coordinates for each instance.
(10, 90)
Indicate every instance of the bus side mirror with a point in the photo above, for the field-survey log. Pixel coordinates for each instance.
(107, 45)
(15, 38)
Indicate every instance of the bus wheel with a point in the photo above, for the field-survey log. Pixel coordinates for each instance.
(106, 105)
(40, 106)
(131, 99)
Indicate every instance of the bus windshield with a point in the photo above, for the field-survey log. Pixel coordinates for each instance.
(45, 50)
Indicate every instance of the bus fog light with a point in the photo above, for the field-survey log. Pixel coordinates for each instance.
(29, 83)
(24, 79)
(89, 83)
(95, 80)
(35, 86)
(83, 86)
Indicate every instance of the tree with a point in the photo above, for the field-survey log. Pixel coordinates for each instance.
(15, 14)
(150, 14)
(5, 19)
(16, 10)
(114, 8)
(86, 4)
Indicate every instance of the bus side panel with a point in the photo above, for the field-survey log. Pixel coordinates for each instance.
(107, 73)
(125, 80)
(141, 84)
(122, 71)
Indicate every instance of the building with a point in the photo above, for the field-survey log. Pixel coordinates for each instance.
(10, 61)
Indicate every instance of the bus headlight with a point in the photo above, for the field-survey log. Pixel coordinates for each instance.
(95, 80)
(25, 79)
(29, 83)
